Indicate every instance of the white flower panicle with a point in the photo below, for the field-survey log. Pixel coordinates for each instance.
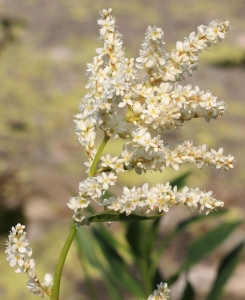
(19, 256)
(139, 111)
(161, 109)
(111, 76)
(150, 154)
(158, 199)
(164, 66)
(162, 292)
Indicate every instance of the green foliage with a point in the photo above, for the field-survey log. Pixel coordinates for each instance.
(226, 268)
(204, 245)
(137, 250)
(111, 215)
(189, 292)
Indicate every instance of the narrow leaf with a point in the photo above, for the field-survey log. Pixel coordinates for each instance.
(197, 218)
(133, 237)
(181, 180)
(112, 216)
(107, 235)
(189, 292)
(116, 264)
(208, 242)
(87, 253)
(179, 228)
(153, 234)
(157, 278)
(172, 279)
(88, 279)
(226, 268)
(109, 250)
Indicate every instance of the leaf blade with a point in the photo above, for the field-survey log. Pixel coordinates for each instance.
(226, 268)
(189, 292)
(208, 242)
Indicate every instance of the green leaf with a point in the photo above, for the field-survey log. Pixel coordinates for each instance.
(117, 265)
(134, 238)
(208, 242)
(121, 276)
(157, 278)
(179, 228)
(112, 216)
(108, 236)
(173, 278)
(153, 230)
(197, 218)
(181, 180)
(84, 263)
(137, 235)
(109, 250)
(189, 292)
(226, 268)
(88, 254)
(86, 246)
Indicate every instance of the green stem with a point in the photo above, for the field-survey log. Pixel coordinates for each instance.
(60, 264)
(98, 155)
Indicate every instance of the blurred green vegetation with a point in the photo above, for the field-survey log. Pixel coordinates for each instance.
(140, 252)
(129, 263)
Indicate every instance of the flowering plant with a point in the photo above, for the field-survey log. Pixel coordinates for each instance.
(138, 111)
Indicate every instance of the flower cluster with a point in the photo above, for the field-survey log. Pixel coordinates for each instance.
(158, 199)
(184, 58)
(162, 292)
(111, 77)
(154, 103)
(146, 153)
(139, 111)
(19, 256)
(90, 189)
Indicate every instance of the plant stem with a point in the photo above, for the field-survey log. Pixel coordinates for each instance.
(60, 264)
(98, 155)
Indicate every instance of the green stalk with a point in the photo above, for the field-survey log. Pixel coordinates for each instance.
(60, 264)
(98, 155)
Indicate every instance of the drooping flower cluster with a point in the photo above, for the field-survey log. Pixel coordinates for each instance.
(138, 111)
(19, 256)
(162, 292)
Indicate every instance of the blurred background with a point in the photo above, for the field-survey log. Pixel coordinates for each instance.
(44, 48)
